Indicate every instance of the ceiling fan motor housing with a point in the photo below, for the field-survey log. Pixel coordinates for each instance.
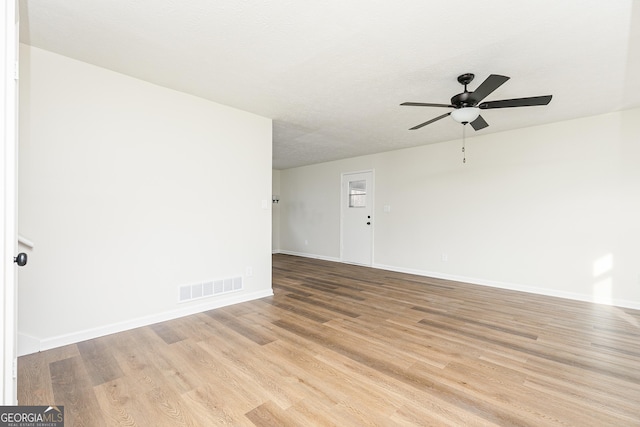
(464, 99)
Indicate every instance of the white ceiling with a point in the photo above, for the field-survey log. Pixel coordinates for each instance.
(332, 73)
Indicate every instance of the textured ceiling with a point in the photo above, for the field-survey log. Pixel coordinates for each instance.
(332, 73)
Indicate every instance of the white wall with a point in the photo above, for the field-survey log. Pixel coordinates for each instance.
(128, 191)
(552, 209)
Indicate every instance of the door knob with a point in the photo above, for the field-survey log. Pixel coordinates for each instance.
(21, 259)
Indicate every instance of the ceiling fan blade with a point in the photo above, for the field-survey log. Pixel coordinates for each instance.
(479, 123)
(517, 102)
(426, 104)
(491, 83)
(430, 121)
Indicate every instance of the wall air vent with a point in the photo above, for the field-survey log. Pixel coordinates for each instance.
(207, 289)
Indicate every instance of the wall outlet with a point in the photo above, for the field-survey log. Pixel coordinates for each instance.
(306, 242)
(445, 257)
(248, 272)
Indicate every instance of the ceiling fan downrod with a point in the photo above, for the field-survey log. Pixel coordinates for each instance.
(465, 79)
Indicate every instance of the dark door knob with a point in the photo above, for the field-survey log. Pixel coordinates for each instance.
(21, 259)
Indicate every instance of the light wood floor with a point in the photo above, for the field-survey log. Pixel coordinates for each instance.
(341, 345)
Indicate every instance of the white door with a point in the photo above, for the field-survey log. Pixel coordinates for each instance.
(357, 218)
(8, 235)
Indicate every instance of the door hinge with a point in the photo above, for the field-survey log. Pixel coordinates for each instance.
(15, 368)
(16, 71)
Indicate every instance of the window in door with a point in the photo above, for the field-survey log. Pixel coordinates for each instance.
(358, 194)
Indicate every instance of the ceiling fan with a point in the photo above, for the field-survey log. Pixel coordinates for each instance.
(467, 105)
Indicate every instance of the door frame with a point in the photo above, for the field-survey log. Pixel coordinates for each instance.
(8, 209)
(342, 212)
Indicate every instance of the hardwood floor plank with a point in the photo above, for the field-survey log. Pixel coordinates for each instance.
(167, 332)
(469, 320)
(72, 389)
(411, 415)
(35, 380)
(138, 354)
(121, 406)
(257, 335)
(99, 362)
(269, 414)
(212, 405)
(169, 409)
(293, 308)
(317, 302)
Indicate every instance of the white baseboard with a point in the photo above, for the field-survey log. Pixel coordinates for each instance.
(510, 286)
(28, 344)
(307, 255)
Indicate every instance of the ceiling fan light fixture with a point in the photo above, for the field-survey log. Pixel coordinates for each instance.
(465, 114)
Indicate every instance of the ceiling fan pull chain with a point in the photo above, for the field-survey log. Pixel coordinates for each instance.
(464, 154)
